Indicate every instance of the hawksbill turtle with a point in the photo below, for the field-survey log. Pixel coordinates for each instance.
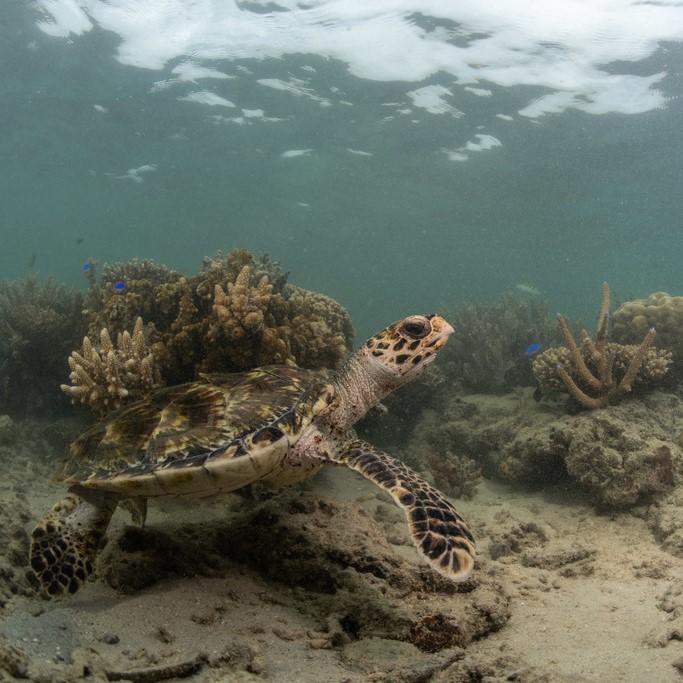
(276, 424)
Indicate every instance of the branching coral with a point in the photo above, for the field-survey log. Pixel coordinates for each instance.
(240, 310)
(242, 315)
(260, 325)
(236, 313)
(40, 322)
(598, 374)
(107, 377)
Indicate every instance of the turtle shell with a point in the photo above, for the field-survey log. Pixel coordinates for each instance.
(216, 434)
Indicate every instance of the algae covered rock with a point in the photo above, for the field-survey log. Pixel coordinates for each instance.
(621, 457)
(8, 429)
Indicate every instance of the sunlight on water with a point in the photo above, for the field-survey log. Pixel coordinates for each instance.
(414, 151)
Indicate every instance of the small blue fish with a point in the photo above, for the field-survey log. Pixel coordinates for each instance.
(87, 267)
(532, 349)
(119, 286)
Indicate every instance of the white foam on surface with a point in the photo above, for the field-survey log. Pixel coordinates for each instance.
(192, 72)
(482, 142)
(135, 174)
(433, 99)
(207, 97)
(561, 45)
(296, 87)
(291, 153)
(479, 92)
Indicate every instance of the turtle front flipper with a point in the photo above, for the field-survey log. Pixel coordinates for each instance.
(66, 540)
(438, 531)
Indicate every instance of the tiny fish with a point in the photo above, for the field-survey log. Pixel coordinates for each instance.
(32, 261)
(532, 349)
(119, 285)
(80, 240)
(526, 288)
(87, 266)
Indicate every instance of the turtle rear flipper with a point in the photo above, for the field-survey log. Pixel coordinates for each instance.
(438, 531)
(66, 540)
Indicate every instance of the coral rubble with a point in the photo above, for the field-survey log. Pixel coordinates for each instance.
(598, 373)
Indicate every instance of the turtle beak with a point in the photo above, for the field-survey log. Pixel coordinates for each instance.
(441, 329)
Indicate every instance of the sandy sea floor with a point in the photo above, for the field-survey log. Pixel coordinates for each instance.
(320, 583)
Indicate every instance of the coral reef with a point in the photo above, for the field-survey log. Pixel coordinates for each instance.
(242, 314)
(253, 323)
(599, 374)
(236, 313)
(486, 351)
(622, 457)
(40, 323)
(456, 475)
(107, 377)
(633, 319)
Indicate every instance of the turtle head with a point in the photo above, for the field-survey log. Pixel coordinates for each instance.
(391, 358)
(405, 348)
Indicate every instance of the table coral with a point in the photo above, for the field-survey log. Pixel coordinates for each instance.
(598, 373)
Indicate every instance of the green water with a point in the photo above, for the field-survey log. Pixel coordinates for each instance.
(566, 200)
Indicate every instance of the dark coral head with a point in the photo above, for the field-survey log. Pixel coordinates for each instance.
(409, 345)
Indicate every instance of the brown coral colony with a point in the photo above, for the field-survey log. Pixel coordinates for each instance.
(598, 373)
(107, 377)
(237, 313)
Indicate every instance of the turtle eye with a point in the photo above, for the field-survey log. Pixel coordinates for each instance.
(416, 329)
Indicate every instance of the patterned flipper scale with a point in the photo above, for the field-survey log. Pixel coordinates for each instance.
(66, 540)
(438, 531)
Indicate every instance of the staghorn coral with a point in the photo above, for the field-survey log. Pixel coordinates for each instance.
(598, 374)
(486, 351)
(107, 377)
(40, 322)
